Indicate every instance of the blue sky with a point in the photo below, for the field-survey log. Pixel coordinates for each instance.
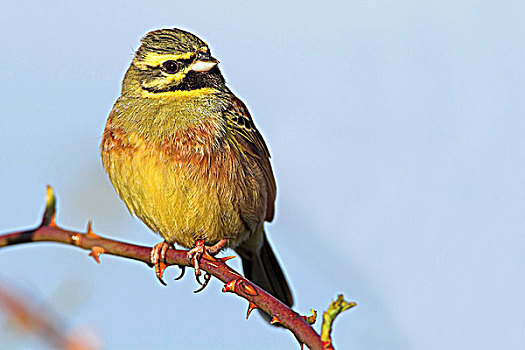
(396, 132)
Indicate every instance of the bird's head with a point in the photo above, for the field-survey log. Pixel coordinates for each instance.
(172, 62)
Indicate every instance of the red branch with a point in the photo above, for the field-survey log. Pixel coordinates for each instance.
(234, 282)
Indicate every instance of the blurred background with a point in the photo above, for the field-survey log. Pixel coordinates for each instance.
(396, 132)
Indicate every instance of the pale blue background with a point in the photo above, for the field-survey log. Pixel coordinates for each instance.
(396, 129)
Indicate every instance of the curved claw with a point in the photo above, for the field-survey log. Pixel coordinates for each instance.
(158, 259)
(182, 271)
(161, 281)
(159, 272)
(198, 279)
(207, 278)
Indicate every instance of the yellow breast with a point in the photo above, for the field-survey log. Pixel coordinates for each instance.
(185, 187)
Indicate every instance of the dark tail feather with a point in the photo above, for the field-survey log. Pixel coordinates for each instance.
(262, 268)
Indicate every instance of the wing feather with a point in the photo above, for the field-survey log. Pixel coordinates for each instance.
(252, 143)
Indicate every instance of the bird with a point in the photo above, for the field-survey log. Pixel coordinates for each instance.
(184, 155)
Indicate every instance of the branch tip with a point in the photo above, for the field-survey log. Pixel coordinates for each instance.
(48, 219)
(336, 307)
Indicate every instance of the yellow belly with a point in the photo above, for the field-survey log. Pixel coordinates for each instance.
(186, 200)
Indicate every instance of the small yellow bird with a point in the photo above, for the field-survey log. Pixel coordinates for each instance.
(184, 155)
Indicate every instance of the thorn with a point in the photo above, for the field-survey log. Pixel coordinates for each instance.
(226, 258)
(275, 320)
(229, 287)
(206, 255)
(95, 253)
(311, 319)
(90, 232)
(251, 306)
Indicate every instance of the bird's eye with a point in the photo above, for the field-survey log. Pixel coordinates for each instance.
(170, 67)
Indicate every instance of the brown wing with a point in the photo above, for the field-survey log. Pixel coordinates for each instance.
(251, 141)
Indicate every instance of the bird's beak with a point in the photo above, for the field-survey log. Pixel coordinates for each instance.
(204, 62)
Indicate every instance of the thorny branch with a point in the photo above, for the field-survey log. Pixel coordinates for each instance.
(300, 326)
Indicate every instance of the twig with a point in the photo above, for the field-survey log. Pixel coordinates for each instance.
(48, 231)
(336, 307)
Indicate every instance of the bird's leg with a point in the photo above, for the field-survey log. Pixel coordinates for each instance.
(204, 251)
(158, 258)
(215, 249)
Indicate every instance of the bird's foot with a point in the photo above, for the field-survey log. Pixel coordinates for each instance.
(206, 252)
(158, 258)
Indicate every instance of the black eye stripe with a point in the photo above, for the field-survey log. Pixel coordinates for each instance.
(186, 61)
